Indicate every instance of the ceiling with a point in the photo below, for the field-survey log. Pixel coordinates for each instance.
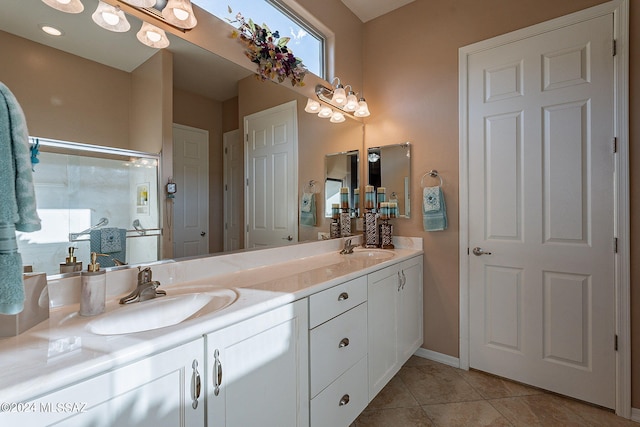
(367, 10)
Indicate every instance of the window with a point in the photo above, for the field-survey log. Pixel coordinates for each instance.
(306, 42)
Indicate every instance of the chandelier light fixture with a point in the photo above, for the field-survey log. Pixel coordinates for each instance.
(68, 6)
(337, 103)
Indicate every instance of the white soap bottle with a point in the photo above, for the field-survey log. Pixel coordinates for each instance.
(93, 289)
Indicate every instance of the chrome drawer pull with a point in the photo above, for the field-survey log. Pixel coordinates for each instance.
(344, 400)
(343, 296)
(217, 373)
(343, 343)
(196, 385)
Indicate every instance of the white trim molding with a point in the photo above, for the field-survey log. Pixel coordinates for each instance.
(619, 9)
(438, 357)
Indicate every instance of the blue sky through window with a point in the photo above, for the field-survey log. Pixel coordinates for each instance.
(303, 44)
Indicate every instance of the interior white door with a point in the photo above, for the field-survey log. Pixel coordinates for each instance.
(233, 172)
(191, 203)
(271, 154)
(541, 207)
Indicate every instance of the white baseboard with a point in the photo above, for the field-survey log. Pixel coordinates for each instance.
(635, 415)
(438, 357)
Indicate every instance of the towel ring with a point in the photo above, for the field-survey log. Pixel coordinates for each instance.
(432, 173)
(310, 187)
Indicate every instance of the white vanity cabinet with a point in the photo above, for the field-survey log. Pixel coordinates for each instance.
(338, 353)
(161, 389)
(257, 371)
(394, 319)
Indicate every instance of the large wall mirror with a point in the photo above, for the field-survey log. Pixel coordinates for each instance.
(341, 170)
(389, 166)
(96, 87)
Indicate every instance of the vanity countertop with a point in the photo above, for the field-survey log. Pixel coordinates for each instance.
(62, 351)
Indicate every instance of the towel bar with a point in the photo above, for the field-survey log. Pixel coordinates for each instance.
(432, 173)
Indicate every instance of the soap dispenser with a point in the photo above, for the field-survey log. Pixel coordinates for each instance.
(71, 264)
(93, 288)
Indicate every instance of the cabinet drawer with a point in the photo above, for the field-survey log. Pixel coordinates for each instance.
(337, 345)
(341, 403)
(329, 303)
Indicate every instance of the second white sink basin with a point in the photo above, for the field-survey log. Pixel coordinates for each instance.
(160, 312)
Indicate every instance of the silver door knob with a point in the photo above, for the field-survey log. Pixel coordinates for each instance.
(479, 251)
(289, 238)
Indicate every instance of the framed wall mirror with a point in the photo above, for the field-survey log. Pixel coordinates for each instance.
(389, 166)
(341, 170)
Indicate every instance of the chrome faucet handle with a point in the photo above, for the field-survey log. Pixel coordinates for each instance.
(144, 275)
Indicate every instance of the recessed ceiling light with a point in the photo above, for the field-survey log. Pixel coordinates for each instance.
(52, 31)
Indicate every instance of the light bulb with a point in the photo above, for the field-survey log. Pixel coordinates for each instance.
(181, 14)
(64, 1)
(110, 18)
(325, 112)
(52, 31)
(153, 36)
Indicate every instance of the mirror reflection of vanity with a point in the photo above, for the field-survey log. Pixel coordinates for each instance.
(389, 166)
(129, 97)
(341, 170)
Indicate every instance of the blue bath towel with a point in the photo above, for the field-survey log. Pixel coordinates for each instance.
(434, 209)
(308, 210)
(17, 199)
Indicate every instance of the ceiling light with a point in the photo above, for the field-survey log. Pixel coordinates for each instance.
(350, 105)
(179, 13)
(52, 31)
(312, 106)
(141, 3)
(152, 36)
(69, 6)
(110, 18)
(352, 102)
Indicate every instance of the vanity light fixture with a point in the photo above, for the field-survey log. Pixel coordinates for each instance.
(344, 103)
(179, 13)
(68, 6)
(152, 36)
(110, 18)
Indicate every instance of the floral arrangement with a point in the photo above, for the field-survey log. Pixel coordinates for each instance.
(269, 51)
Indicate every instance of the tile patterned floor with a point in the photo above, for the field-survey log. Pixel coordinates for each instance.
(429, 394)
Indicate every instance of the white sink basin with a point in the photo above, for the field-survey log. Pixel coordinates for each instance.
(371, 254)
(160, 312)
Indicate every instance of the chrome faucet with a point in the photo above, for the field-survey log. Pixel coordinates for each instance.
(146, 288)
(348, 247)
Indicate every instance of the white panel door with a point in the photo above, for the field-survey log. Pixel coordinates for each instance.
(541, 206)
(191, 208)
(233, 172)
(271, 169)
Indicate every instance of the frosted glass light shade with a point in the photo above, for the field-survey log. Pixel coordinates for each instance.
(312, 106)
(152, 36)
(352, 102)
(179, 13)
(69, 6)
(339, 96)
(325, 112)
(363, 109)
(141, 3)
(337, 117)
(110, 18)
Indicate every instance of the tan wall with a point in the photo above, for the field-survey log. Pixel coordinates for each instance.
(194, 110)
(58, 99)
(230, 119)
(414, 97)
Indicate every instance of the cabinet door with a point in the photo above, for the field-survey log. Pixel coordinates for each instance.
(156, 391)
(410, 324)
(382, 306)
(257, 371)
